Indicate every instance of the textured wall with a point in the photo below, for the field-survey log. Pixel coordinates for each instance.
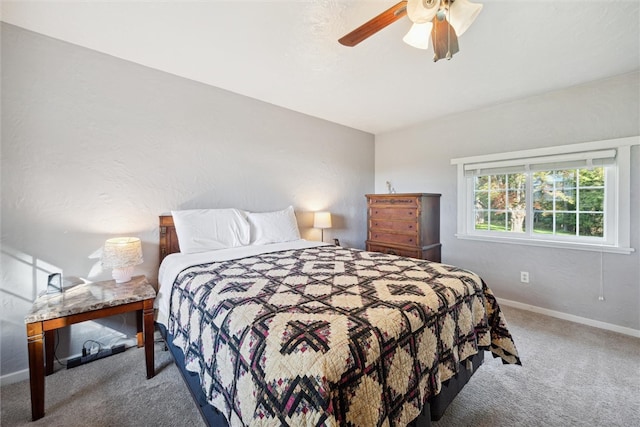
(568, 281)
(94, 147)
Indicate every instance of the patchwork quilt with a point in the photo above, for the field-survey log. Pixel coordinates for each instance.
(330, 336)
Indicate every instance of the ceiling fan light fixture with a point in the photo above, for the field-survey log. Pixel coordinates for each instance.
(442, 21)
(422, 11)
(419, 35)
(462, 14)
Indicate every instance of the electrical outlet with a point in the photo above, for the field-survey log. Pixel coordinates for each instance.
(524, 276)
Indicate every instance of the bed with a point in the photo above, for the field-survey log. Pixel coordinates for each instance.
(304, 333)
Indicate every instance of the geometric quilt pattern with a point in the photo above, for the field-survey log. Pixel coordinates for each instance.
(329, 335)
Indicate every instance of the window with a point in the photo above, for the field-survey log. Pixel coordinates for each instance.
(569, 202)
(565, 203)
(500, 202)
(569, 196)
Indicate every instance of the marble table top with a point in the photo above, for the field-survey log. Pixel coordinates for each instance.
(88, 297)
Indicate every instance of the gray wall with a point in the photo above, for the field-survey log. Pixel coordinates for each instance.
(94, 147)
(567, 281)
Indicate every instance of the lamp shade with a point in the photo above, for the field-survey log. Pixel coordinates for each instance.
(419, 35)
(322, 220)
(122, 252)
(462, 13)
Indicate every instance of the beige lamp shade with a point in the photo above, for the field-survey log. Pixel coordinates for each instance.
(322, 220)
(122, 254)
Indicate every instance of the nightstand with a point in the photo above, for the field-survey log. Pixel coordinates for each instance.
(80, 303)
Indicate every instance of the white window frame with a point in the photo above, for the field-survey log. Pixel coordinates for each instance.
(617, 194)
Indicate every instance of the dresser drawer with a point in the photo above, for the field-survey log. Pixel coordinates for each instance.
(398, 239)
(399, 201)
(393, 213)
(389, 225)
(411, 253)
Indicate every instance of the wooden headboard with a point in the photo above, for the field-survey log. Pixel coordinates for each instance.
(168, 237)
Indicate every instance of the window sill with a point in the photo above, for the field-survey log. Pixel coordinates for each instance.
(549, 244)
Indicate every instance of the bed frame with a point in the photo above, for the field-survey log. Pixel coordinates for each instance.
(432, 412)
(168, 237)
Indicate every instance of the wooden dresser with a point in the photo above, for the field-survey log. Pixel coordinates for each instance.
(404, 224)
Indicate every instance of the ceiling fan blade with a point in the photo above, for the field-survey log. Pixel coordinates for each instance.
(374, 25)
(445, 40)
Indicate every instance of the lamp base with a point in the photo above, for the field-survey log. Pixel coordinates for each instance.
(121, 275)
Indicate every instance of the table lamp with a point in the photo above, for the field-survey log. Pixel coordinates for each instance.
(322, 220)
(122, 254)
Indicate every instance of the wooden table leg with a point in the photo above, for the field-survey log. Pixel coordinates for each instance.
(36, 368)
(139, 328)
(148, 337)
(49, 351)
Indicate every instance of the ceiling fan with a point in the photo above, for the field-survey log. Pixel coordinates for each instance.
(442, 20)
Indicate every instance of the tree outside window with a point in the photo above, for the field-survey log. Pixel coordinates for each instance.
(500, 202)
(568, 202)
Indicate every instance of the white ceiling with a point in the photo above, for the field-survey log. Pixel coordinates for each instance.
(286, 52)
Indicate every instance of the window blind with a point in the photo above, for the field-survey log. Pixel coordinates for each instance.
(539, 163)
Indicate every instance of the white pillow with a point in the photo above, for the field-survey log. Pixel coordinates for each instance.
(273, 227)
(202, 230)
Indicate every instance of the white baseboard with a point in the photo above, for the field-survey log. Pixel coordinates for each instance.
(570, 317)
(23, 375)
(14, 377)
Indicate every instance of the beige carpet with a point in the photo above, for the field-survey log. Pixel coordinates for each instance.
(112, 391)
(572, 375)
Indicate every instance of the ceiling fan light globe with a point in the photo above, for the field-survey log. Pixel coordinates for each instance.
(419, 35)
(422, 11)
(462, 14)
